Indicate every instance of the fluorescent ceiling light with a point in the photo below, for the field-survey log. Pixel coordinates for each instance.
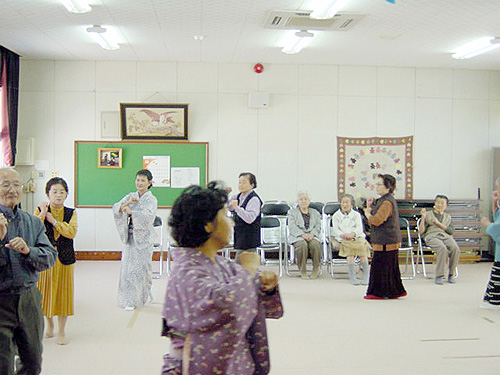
(76, 6)
(295, 41)
(105, 38)
(327, 9)
(477, 47)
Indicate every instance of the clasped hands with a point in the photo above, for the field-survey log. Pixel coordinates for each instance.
(423, 213)
(125, 206)
(45, 214)
(348, 236)
(307, 236)
(17, 243)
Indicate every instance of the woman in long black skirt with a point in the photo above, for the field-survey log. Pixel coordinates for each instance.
(382, 214)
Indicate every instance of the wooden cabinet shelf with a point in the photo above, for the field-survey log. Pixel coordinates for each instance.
(465, 217)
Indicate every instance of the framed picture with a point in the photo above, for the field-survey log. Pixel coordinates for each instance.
(154, 121)
(109, 158)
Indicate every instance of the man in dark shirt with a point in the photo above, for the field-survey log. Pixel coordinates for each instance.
(24, 250)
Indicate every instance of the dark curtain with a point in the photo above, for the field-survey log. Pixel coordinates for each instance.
(9, 76)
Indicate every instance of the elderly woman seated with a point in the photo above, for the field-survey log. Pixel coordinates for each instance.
(349, 238)
(437, 231)
(304, 224)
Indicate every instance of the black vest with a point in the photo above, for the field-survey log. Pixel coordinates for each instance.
(246, 236)
(389, 231)
(64, 246)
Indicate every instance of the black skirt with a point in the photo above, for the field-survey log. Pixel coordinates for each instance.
(385, 277)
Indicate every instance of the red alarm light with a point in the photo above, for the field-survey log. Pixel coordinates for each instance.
(258, 68)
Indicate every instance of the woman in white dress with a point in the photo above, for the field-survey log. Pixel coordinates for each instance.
(134, 217)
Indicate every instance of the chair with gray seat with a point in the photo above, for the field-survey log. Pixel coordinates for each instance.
(158, 245)
(407, 248)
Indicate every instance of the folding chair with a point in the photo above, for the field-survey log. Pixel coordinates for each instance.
(420, 251)
(269, 241)
(407, 246)
(328, 246)
(158, 245)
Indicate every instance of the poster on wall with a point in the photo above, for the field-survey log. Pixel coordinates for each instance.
(159, 166)
(361, 160)
(185, 176)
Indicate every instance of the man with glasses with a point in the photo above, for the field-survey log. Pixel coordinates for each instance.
(24, 250)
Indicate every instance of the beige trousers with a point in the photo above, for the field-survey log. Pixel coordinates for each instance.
(448, 254)
(305, 248)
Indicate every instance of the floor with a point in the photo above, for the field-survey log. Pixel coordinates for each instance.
(328, 328)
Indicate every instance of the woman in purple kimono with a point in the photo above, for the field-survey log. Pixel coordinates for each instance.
(214, 309)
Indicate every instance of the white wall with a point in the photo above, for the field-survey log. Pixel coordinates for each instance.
(454, 116)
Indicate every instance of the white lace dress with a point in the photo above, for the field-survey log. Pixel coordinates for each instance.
(134, 289)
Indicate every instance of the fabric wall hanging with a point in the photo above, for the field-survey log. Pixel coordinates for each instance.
(360, 160)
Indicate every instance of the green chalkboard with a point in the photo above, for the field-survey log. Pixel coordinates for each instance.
(102, 187)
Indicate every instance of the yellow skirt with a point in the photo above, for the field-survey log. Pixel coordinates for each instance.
(56, 286)
(358, 246)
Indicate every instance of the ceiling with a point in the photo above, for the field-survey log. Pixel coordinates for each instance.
(420, 33)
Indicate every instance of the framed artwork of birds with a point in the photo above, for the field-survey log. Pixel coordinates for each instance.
(154, 121)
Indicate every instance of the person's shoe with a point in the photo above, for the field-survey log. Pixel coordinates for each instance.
(315, 273)
(304, 276)
(372, 296)
(489, 306)
(439, 280)
(129, 308)
(451, 279)
(62, 340)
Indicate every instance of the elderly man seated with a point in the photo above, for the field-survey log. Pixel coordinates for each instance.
(437, 231)
(304, 224)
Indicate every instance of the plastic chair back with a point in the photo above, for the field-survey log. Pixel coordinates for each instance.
(318, 206)
(275, 208)
(330, 208)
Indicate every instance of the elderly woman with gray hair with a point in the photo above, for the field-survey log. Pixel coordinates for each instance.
(350, 239)
(304, 225)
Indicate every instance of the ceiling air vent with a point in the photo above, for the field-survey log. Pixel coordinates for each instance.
(290, 20)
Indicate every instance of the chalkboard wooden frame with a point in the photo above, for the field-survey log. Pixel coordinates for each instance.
(101, 188)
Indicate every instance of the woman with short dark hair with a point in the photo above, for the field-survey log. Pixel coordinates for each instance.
(383, 216)
(134, 216)
(246, 209)
(215, 309)
(56, 283)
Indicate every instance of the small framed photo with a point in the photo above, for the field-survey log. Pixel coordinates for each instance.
(109, 158)
(154, 121)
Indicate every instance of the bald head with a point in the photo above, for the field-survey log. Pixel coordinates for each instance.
(11, 187)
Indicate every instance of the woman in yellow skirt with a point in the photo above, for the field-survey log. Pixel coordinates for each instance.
(56, 284)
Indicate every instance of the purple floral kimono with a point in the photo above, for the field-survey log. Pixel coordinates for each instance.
(215, 315)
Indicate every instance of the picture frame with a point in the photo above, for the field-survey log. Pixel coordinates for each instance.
(110, 157)
(154, 121)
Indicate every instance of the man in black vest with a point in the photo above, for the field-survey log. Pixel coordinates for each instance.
(246, 210)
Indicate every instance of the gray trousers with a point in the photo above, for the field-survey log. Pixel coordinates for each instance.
(21, 326)
(448, 254)
(305, 248)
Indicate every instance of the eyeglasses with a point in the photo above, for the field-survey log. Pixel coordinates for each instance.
(15, 185)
